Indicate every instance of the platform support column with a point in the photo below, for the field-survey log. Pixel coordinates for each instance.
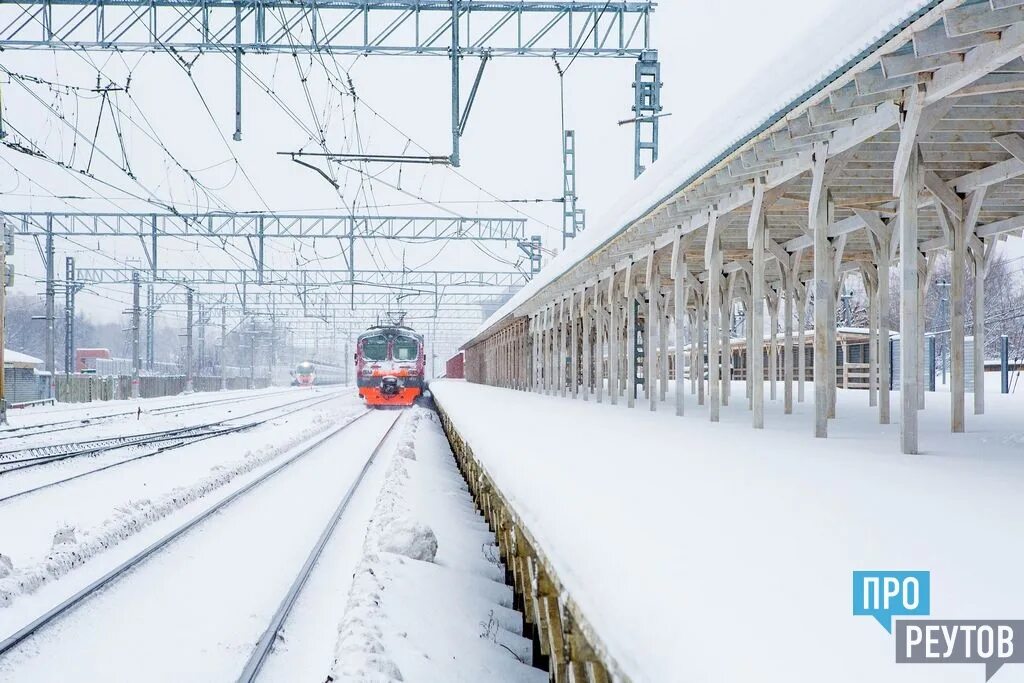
(980, 271)
(699, 346)
(679, 296)
(613, 343)
(652, 362)
(787, 343)
(882, 347)
(818, 223)
(587, 348)
(755, 322)
(726, 332)
(713, 260)
(630, 291)
(574, 339)
(598, 351)
(871, 288)
(956, 321)
(801, 340)
(773, 346)
(910, 276)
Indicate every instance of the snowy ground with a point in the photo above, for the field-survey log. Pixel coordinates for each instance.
(194, 610)
(52, 533)
(714, 552)
(428, 602)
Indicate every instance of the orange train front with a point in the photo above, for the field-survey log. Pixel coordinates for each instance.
(389, 366)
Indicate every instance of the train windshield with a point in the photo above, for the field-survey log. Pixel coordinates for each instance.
(375, 348)
(305, 368)
(405, 348)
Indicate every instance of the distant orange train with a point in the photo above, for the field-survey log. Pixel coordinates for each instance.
(390, 362)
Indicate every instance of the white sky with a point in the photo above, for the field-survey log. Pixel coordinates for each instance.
(512, 146)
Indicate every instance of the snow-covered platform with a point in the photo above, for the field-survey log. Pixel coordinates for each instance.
(709, 552)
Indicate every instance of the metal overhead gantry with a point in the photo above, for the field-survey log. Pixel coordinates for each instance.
(446, 28)
(395, 279)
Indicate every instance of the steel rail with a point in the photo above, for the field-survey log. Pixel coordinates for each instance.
(11, 432)
(8, 643)
(91, 446)
(162, 449)
(266, 642)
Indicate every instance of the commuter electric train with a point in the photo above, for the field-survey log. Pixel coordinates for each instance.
(305, 374)
(389, 365)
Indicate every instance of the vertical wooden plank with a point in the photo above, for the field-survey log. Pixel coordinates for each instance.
(613, 343)
(714, 301)
(980, 271)
(884, 357)
(679, 297)
(631, 338)
(574, 340)
(801, 360)
(726, 331)
(755, 362)
(787, 345)
(651, 359)
(958, 264)
(700, 349)
(773, 346)
(910, 343)
(871, 287)
(598, 350)
(818, 222)
(587, 349)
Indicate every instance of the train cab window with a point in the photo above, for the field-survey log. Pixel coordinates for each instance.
(405, 348)
(375, 348)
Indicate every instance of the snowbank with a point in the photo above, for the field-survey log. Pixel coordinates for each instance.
(714, 552)
(73, 547)
(427, 602)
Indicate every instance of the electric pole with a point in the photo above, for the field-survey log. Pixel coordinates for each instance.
(202, 339)
(6, 279)
(188, 342)
(50, 291)
(252, 353)
(136, 311)
(70, 289)
(223, 348)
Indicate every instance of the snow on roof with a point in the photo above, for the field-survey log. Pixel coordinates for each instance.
(854, 31)
(11, 356)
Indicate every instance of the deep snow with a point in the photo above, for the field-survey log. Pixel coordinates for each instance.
(714, 552)
(428, 601)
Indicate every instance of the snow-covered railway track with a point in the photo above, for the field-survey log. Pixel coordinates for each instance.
(10, 434)
(244, 547)
(161, 441)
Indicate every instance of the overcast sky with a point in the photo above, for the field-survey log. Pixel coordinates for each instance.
(512, 146)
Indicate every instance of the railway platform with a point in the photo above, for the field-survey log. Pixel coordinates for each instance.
(664, 548)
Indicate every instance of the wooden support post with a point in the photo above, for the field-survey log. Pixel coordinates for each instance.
(773, 346)
(598, 350)
(910, 342)
(574, 341)
(662, 348)
(980, 271)
(679, 296)
(613, 343)
(560, 356)
(871, 287)
(755, 343)
(748, 334)
(630, 382)
(958, 266)
(833, 287)
(883, 348)
(652, 362)
(700, 348)
(818, 222)
(726, 329)
(588, 348)
(801, 307)
(787, 345)
(714, 297)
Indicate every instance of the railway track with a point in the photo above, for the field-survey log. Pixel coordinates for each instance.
(164, 440)
(263, 647)
(22, 432)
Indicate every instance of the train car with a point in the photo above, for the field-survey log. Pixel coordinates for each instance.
(304, 375)
(389, 365)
